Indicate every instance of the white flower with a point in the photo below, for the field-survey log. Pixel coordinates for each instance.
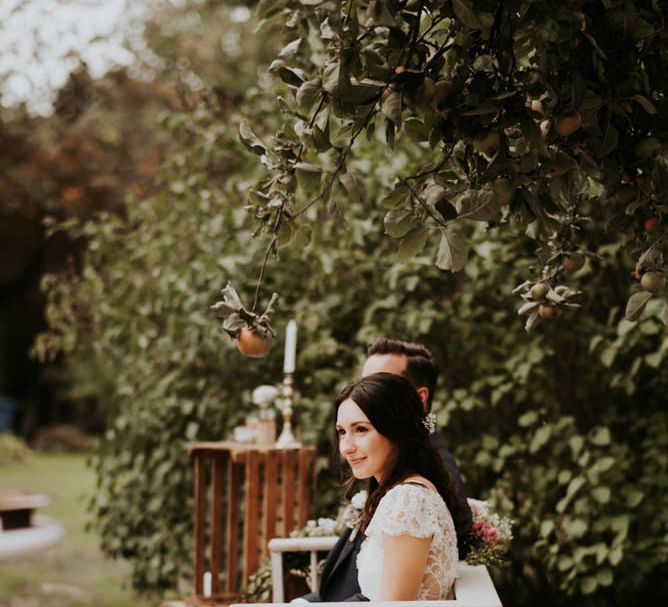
(479, 509)
(327, 526)
(263, 396)
(358, 500)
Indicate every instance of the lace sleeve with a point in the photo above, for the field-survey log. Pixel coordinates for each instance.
(404, 510)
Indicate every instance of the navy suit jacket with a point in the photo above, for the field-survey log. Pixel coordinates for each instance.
(338, 581)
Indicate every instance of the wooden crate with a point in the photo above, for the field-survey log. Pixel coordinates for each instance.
(245, 495)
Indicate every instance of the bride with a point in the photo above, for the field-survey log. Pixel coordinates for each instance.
(413, 512)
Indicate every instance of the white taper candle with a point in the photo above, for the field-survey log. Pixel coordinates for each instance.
(290, 347)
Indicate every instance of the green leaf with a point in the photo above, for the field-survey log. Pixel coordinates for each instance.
(308, 176)
(615, 555)
(330, 77)
(446, 209)
(634, 497)
(575, 528)
(527, 419)
(307, 93)
(610, 141)
(289, 75)
(465, 13)
(395, 197)
(601, 494)
(412, 243)
(600, 437)
(353, 186)
(479, 205)
(540, 438)
(398, 222)
(416, 129)
(574, 486)
(663, 314)
(303, 236)
(588, 585)
(546, 527)
(646, 104)
(452, 252)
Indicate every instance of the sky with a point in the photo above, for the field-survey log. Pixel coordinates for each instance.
(41, 42)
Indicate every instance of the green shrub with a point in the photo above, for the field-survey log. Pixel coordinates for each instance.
(13, 449)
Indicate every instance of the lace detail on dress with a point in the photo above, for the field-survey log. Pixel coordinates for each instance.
(419, 512)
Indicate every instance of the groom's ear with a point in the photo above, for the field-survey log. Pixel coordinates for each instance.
(423, 393)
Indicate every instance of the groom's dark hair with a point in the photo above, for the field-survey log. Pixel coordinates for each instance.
(421, 367)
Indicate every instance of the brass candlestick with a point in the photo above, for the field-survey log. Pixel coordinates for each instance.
(287, 439)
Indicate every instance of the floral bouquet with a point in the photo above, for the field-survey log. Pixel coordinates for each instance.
(490, 535)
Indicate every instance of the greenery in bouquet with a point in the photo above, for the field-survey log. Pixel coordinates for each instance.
(491, 535)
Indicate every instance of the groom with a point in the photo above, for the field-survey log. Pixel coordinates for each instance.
(416, 363)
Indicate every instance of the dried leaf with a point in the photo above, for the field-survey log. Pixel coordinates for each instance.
(391, 107)
(290, 49)
(527, 307)
(532, 321)
(251, 140)
(651, 259)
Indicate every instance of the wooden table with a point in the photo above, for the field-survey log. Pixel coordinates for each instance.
(245, 495)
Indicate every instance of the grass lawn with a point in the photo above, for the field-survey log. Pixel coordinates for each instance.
(73, 573)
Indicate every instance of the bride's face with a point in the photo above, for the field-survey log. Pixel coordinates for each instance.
(368, 452)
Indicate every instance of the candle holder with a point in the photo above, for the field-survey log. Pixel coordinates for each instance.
(287, 439)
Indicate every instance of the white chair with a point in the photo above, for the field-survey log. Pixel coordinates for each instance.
(473, 587)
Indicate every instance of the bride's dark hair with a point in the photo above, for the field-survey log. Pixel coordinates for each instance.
(394, 409)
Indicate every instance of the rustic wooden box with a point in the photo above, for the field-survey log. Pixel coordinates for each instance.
(245, 495)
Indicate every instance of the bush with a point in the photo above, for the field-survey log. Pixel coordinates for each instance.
(13, 449)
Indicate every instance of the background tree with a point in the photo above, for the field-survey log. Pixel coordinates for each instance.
(565, 429)
(98, 145)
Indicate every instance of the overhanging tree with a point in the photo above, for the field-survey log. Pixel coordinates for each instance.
(544, 119)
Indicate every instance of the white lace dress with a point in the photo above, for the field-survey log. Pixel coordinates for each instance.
(415, 510)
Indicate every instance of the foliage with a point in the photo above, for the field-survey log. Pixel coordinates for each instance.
(564, 429)
(538, 117)
(99, 144)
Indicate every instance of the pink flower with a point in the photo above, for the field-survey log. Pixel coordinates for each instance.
(486, 532)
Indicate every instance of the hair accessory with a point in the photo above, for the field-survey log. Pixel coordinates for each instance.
(429, 422)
